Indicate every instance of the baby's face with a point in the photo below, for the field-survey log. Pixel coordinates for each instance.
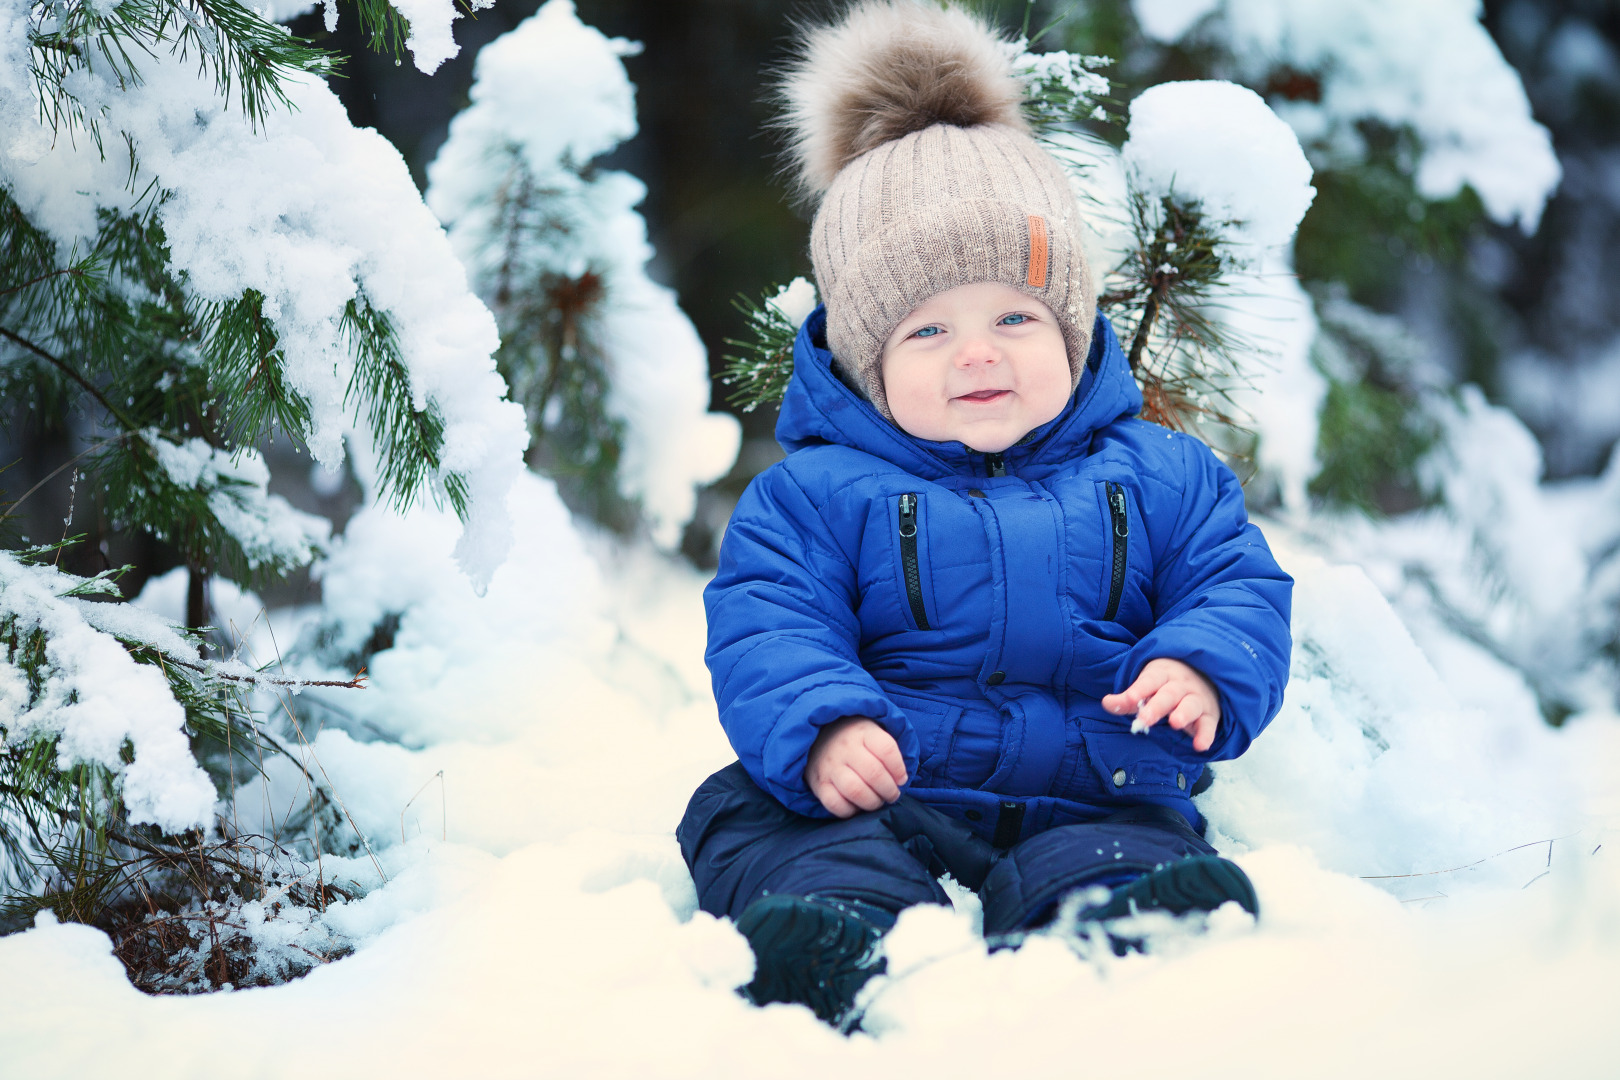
(980, 364)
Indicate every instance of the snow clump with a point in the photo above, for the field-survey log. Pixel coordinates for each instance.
(1168, 20)
(795, 301)
(95, 698)
(1220, 145)
(431, 38)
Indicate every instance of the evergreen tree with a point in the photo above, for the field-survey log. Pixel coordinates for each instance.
(163, 309)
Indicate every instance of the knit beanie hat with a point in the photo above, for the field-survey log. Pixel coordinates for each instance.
(904, 124)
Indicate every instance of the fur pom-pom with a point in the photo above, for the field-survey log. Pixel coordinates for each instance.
(887, 68)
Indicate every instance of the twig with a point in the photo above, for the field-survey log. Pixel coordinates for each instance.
(333, 790)
(443, 824)
(1150, 314)
(71, 271)
(356, 683)
(66, 369)
(73, 492)
(69, 463)
(1476, 862)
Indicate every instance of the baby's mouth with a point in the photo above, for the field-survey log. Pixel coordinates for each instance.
(983, 395)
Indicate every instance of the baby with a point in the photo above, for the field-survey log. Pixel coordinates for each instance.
(980, 621)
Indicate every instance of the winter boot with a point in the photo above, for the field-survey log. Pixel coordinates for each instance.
(814, 950)
(1197, 883)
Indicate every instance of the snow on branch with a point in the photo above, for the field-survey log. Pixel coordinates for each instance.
(317, 221)
(1219, 329)
(1061, 87)
(1329, 66)
(92, 698)
(758, 373)
(267, 528)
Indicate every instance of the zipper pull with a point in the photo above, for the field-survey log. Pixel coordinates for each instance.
(995, 465)
(908, 516)
(1116, 503)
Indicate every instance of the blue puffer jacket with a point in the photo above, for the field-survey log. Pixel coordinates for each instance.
(979, 605)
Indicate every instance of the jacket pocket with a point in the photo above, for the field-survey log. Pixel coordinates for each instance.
(906, 520)
(1129, 765)
(935, 723)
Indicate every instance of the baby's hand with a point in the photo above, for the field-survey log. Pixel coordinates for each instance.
(855, 765)
(1170, 688)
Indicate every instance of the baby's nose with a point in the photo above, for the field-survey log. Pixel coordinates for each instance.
(976, 352)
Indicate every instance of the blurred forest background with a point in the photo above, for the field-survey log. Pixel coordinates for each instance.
(1533, 320)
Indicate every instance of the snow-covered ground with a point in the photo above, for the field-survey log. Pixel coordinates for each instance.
(1440, 883)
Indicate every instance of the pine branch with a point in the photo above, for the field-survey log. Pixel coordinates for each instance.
(409, 442)
(239, 49)
(1185, 361)
(1063, 92)
(250, 393)
(760, 374)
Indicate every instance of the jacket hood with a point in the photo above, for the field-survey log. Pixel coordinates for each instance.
(819, 408)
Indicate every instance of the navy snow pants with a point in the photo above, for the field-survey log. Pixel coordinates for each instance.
(740, 844)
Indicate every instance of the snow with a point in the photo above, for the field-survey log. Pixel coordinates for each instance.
(1218, 144)
(795, 301)
(547, 98)
(430, 41)
(1430, 67)
(1513, 584)
(238, 613)
(95, 698)
(1266, 308)
(307, 210)
(285, 11)
(1571, 405)
(1071, 72)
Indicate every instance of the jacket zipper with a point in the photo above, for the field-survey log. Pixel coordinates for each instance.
(995, 465)
(1122, 532)
(908, 559)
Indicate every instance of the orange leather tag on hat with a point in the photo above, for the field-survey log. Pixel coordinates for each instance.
(1036, 278)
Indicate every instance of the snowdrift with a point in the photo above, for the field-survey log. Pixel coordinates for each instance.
(1439, 882)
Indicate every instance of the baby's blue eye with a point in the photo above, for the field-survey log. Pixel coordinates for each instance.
(1014, 319)
(927, 331)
